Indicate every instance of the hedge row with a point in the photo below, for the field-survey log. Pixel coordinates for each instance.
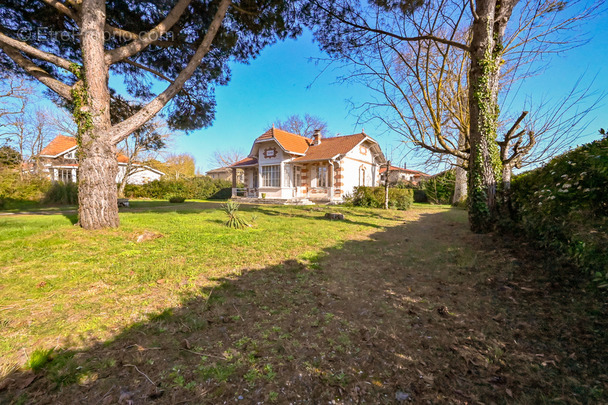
(373, 197)
(563, 206)
(200, 188)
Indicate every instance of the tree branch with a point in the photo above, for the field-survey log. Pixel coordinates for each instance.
(38, 73)
(35, 52)
(140, 43)
(126, 127)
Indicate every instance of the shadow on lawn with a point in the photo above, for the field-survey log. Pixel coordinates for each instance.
(424, 311)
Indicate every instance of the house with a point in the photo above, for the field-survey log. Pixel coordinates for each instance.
(225, 173)
(400, 174)
(58, 160)
(293, 168)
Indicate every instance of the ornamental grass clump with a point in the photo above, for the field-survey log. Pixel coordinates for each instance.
(234, 220)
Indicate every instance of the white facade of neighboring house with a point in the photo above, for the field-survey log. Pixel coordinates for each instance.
(58, 160)
(286, 166)
(400, 174)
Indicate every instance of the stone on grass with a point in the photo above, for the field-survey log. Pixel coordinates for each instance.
(334, 216)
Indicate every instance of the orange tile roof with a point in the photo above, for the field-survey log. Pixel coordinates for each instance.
(61, 143)
(331, 147)
(401, 169)
(290, 142)
(248, 161)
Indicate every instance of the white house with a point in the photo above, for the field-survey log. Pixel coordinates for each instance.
(286, 166)
(58, 159)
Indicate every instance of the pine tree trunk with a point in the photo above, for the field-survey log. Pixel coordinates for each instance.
(97, 198)
(485, 169)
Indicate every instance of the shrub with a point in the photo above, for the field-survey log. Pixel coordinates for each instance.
(373, 197)
(39, 358)
(177, 200)
(14, 187)
(201, 188)
(563, 206)
(439, 189)
(62, 193)
(234, 220)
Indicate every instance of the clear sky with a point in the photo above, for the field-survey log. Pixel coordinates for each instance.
(283, 81)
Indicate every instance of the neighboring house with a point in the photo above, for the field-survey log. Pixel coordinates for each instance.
(286, 166)
(225, 173)
(58, 160)
(400, 174)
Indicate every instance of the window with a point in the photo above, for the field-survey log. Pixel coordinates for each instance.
(362, 176)
(322, 176)
(271, 176)
(64, 175)
(298, 175)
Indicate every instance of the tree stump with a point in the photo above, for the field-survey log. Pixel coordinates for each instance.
(334, 216)
(123, 202)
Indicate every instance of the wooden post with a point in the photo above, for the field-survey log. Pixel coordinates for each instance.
(386, 179)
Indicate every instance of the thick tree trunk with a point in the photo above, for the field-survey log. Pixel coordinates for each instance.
(485, 169)
(97, 198)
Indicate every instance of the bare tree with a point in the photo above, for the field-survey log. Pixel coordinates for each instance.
(486, 32)
(14, 94)
(226, 157)
(142, 147)
(304, 125)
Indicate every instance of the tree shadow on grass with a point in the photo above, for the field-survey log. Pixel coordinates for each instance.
(424, 311)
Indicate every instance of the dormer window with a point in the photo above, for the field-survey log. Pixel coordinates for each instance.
(70, 155)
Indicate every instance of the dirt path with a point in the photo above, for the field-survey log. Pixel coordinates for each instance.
(424, 312)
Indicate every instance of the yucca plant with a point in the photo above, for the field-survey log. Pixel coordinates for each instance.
(234, 220)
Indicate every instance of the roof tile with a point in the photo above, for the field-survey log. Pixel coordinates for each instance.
(330, 147)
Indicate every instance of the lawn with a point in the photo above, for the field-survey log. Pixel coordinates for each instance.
(385, 307)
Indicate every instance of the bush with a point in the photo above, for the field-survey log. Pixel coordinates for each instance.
(14, 188)
(177, 200)
(439, 189)
(419, 193)
(201, 188)
(563, 206)
(62, 193)
(373, 197)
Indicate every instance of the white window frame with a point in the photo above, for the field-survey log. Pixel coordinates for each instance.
(322, 176)
(271, 176)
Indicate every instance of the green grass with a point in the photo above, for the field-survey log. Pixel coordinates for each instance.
(61, 284)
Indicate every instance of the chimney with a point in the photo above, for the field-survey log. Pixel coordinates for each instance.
(316, 137)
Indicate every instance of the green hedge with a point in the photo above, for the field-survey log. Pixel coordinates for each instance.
(563, 206)
(373, 197)
(200, 188)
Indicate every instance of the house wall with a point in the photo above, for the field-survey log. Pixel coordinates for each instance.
(352, 164)
(141, 177)
(277, 159)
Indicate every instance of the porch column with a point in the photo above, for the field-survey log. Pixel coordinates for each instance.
(331, 180)
(234, 192)
(74, 175)
(55, 174)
